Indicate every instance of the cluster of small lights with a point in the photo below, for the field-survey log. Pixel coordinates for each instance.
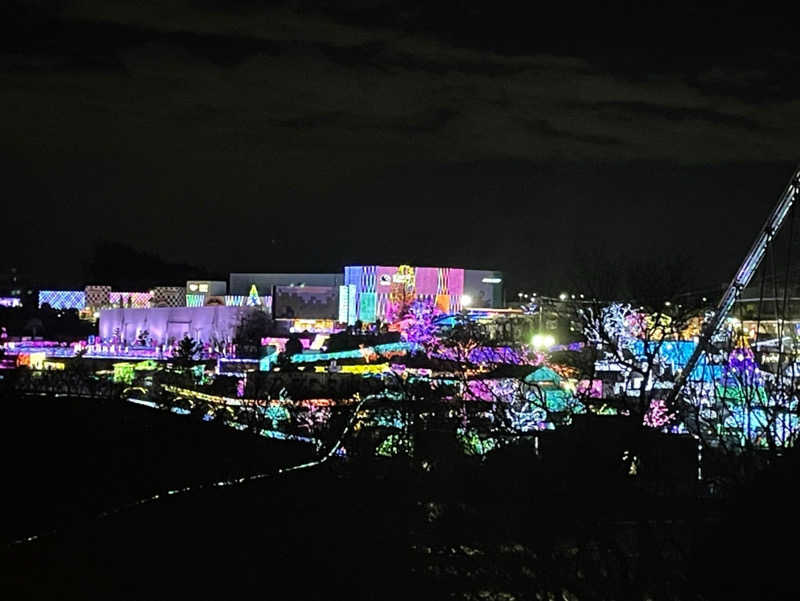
(563, 296)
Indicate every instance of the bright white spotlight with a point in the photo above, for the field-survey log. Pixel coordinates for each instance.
(540, 341)
(466, 300)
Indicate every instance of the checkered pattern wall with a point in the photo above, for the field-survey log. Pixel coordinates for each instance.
(169, 296)
(98, 296)
(134, 300)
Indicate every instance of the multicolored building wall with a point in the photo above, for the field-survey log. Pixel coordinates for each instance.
(377, 291)
(364, 292)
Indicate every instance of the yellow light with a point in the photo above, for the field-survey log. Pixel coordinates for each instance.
(37, 360)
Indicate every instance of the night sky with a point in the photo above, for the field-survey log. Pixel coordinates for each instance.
(262, 136)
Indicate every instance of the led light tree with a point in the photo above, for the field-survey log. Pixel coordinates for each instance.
(643, 347)
(253, 300)
(634, 352)
(658, 416)
(421, 324)
(747, 412)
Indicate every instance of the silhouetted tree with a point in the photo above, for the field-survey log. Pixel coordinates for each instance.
(293, 346)
(186, 352)
(254, 325)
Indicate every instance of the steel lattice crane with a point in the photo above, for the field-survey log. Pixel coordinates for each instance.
(742, 278)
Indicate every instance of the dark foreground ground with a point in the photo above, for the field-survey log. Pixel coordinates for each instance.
(508, 528)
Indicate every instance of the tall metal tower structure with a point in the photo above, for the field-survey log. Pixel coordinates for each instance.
(742, 278)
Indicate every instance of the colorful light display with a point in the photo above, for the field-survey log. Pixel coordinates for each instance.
(63, 299)
(124, 373)
(422, 324)
(388, 290)
(371, 368)
(195, 300)
(379, 350)
(616, 323)
(253, 300)
(10, 301)
(33, 360)
(368, 307)
(658, 416)
(135, 300)
(325, 326)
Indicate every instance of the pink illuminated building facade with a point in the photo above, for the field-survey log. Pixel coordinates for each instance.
(377, 292)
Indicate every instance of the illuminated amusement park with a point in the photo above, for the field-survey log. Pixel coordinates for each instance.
(282, 354)
(440, 369)
(398, 301)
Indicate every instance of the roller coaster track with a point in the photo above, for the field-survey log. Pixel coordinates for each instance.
(742, 278)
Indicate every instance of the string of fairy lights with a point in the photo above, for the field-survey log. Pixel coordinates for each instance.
(218, 484)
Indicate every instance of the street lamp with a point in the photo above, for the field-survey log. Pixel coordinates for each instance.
(540, 341)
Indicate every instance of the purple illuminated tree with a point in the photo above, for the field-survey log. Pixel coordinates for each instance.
(658, 416)
(421, 323)
(742, 362)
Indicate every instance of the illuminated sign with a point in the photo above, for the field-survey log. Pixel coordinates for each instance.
(404, 275)
(492, 280)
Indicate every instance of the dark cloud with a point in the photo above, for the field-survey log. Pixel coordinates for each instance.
(427, 121)
(627, 110)
(541, 127)
(381, 132)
